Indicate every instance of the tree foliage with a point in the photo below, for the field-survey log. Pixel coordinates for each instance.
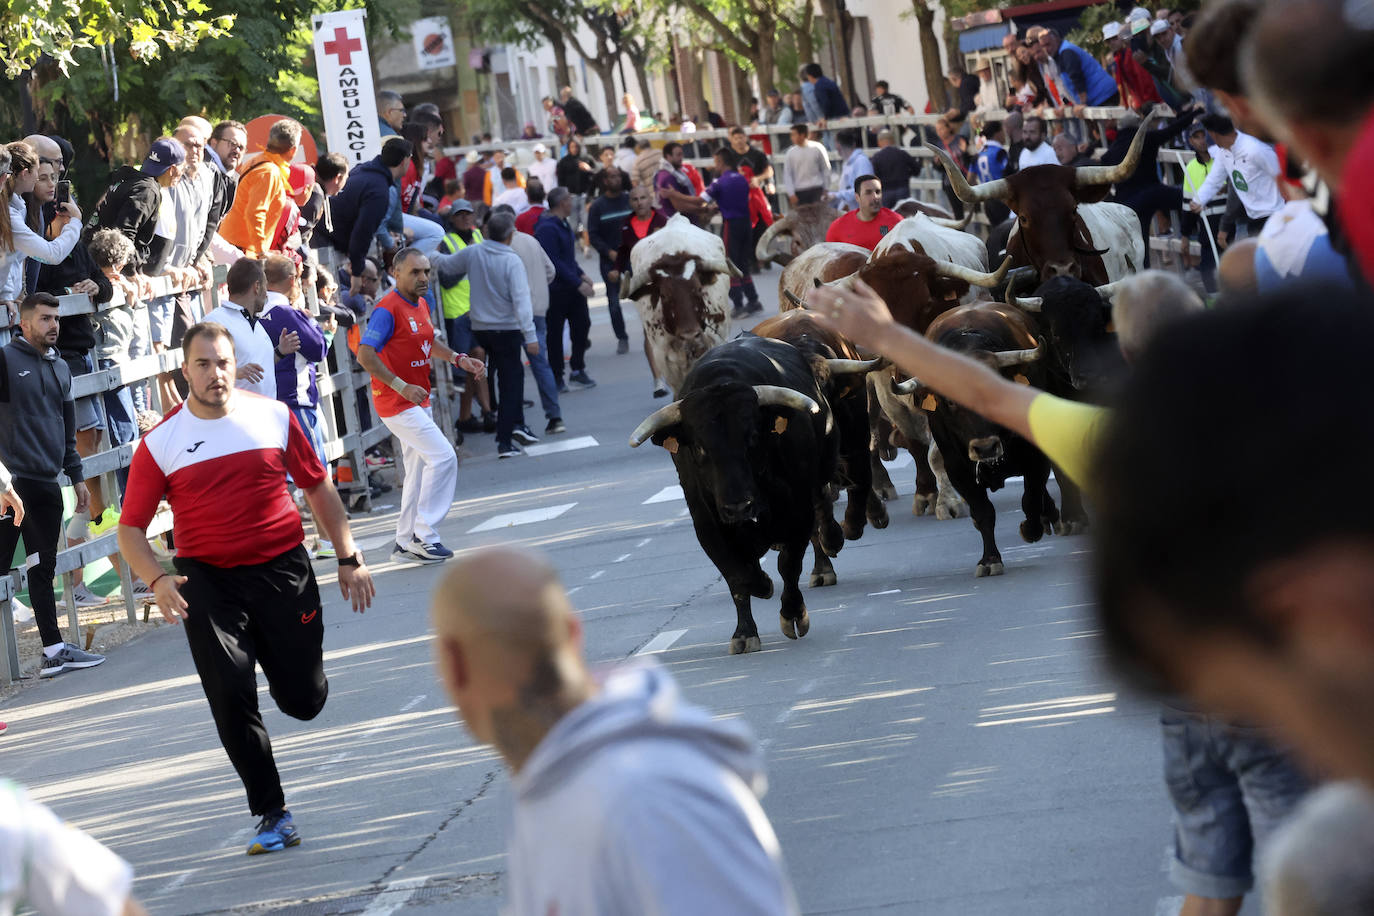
(58, 29)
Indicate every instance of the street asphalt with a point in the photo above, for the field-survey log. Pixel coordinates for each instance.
(938, 744)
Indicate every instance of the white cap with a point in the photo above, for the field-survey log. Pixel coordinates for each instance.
(539, 148)
(472, 155)
(1138, 25)
(1139, 13)
(1158, 26)
(1111, 30)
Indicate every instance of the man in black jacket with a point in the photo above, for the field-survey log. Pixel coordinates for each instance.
(132, 203)
(358, 210)
(605, 218)
(37, 442)
(895, 168)
(582, 120)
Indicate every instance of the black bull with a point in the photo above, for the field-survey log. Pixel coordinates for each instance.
(755, 447)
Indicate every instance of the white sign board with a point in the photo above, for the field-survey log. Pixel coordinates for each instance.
(433, 43)
(346, 95)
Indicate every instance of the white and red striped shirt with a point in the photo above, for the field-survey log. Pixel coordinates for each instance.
(225, 480)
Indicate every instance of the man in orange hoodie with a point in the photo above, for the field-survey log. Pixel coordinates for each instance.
(263, 189)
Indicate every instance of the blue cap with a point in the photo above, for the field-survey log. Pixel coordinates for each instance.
(162, 155)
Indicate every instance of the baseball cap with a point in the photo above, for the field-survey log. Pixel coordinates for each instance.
(162, 155)
(1139, 13)
(539, 148)
(301, 177)
(461, 205)
(1111, 30)
(1138, 25)
(1197, 128)
(1159, 25)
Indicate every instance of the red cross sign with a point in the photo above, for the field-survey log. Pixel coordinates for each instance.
(342, 46)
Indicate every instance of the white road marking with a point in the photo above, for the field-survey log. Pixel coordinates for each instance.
(622, 558)
(684, 513)
(890, 591)
(564, 445)
(176, 883)
(661, 642)
(413, 703)
(396, 895)
(370, 543)
(666, 495)
(574, 590)
(598, 574)
(643, 543)
(528, 517)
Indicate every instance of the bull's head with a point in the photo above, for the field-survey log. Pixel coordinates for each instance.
(715, 431)
(1075, 319)
(681, 285)
(1045, 198)
(916, 287)
(805, 225)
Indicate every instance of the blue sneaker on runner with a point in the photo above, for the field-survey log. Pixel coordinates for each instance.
(275, 833)
(433, 552)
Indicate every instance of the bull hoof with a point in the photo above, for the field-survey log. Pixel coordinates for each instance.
(946, 509)
(832, 538)
(886, 493)
(1031, 531)
(795, 629)
(852, 532)
(887, 452)
(877, 516)
(822, 579)
(1070, 528)
(922, 503)
(739, 645)
(988, 569)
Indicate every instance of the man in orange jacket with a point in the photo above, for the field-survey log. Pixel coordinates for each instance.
(263, 189)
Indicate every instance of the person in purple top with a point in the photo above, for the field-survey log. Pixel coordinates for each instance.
(676, 194)
(730, 195)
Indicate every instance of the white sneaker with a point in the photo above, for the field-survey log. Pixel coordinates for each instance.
(87, 598)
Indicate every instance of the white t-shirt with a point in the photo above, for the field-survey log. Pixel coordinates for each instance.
(251, 345)
(515, 198)
(1252, 167)
(1042, 155)
(546, 171)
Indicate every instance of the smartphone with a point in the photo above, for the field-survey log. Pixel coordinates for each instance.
(64, 192)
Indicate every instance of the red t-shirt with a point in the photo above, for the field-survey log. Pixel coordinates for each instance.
(1352, 208)
(525, 221)
(849, 228)
(225, 480)
(400, 332)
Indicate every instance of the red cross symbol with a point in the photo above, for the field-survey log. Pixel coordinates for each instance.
(342, 46)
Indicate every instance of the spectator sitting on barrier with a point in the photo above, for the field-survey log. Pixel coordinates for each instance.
(19, 163)
(37, 443)
(262, 193)
(359, 209)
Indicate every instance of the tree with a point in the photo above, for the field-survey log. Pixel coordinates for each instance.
(747, 30)
(924, 11)
(58, 29)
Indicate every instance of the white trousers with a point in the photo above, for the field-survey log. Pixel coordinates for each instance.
(431, 473)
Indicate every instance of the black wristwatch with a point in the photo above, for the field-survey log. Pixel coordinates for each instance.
(355, 560)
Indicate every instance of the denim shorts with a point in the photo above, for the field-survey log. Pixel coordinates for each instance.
(1231, 786)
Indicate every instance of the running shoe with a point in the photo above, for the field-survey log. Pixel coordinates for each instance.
(510, 451)
(555, 426)
(524, 435)
(87, 598)
(489, 421)
(3, 728)
(275, 832)
(142, 592)
(401, 554)
(108, 521)
(69, 658)
(470, 425)
(581, 380)
(325, 551)
(622, 346)
(434, 550)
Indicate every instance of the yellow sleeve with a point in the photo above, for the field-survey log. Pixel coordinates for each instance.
(1067, 432)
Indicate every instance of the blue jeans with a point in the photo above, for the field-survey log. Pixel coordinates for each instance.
(428, 234)
(543, 372)
(120, 418)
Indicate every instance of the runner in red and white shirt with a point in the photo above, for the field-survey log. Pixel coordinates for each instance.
(867, 225)
(244, 586)
(396, 349)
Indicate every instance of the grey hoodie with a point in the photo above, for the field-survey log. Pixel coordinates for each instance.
(637, 804)
(500, 291)
(37, 416)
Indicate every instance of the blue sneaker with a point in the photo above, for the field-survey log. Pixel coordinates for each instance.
(433, 552)
(275, 833)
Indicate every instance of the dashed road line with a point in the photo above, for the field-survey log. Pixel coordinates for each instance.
(622, 558)
(565, 445)
(661, 642)
(416, 701)
(666, 495)
(527, 517)
(890, 591)
(643, 543)
(598, 574)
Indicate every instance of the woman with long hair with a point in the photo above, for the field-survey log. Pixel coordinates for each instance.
(19, 168)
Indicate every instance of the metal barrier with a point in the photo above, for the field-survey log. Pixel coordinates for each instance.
(338, 399)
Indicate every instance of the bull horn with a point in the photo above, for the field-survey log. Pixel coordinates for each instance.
(1028, 303)
(845, 366)
(777, 396)
(907, 387)
(763, 250)
(992, 190)
(1006, 358)
(1112, 174)
(659, 419)
(1109, 290)
(734, 271)
(971, 276)
(960, 224)
(632, 284)
(792, 298)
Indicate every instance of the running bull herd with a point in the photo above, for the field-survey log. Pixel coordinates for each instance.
(767, 428)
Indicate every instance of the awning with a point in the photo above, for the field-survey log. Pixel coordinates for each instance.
(981, 38)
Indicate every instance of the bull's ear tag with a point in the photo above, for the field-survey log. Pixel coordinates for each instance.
(1021, 379)
(928, 403)
(780, 425)
(670, 444)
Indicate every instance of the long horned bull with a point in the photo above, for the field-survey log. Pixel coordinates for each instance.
(768, 395)
(1002, 359)
(942, 268)
(643, 278)
(1084, 175)
(1036, 303)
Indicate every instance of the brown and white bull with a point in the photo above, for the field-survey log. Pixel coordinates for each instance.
(817, 265)
(1062, 228)
(680, 284)
(796, 231)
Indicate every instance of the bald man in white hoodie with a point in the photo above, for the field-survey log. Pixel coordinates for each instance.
(627, 800)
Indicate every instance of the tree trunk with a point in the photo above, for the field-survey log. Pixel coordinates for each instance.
(560, 58)
(930, 56)
(689, 69)
(806, 40)
(604, 67)
(765, 61)
(646, 93)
